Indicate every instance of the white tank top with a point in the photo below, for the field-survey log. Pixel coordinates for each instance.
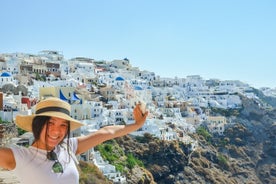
(32, 166)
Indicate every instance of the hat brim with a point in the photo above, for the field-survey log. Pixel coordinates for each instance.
(25, 121)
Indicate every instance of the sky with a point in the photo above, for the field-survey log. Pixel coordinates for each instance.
(216, 39)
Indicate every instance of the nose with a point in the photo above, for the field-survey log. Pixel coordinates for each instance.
(54, 129)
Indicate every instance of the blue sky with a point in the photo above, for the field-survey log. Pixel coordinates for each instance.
(222, 39)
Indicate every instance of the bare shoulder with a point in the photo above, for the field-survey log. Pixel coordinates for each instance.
(7, 160)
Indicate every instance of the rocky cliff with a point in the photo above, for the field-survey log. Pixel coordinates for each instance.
(246, 153)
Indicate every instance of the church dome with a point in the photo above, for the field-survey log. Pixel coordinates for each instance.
(119, 79)
(6, 74)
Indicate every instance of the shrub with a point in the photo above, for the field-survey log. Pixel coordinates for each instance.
(203, 132)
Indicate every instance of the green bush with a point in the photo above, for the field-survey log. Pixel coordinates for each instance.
(203, 132)
(132, 161)
(114, 154)
(222, 160)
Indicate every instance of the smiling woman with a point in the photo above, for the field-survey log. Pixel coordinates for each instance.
(52, 156)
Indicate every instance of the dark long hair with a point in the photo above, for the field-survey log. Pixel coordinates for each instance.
(37, 125)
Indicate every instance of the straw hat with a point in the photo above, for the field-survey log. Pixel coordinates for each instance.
(51, 106)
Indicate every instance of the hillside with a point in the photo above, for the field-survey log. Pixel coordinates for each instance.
(246, 153)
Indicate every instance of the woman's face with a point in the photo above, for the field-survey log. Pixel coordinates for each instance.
(57, 130)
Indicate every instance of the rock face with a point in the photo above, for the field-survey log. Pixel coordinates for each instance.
(246, 153)
(140, 175)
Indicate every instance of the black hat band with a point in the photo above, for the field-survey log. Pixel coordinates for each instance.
(56, 109)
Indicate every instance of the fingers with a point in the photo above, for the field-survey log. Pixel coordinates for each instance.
(138, 112)
(142, 106)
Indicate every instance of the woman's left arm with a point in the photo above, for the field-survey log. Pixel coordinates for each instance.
(110, 132)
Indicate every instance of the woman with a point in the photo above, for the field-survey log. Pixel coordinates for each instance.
(51, 157)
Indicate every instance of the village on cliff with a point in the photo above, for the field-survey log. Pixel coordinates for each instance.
(103, 93)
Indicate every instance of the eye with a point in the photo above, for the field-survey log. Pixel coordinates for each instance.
(64, 125)
(50, 123)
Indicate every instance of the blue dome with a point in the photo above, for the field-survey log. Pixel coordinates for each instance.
(119, 79)
(6, 74)
(138, 88)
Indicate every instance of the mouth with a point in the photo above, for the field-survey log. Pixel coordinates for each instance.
(54, 138)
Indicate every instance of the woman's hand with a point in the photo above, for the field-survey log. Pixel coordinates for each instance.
(140, 114)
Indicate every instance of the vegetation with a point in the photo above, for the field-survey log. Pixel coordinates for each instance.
(222, 160)
(132, 161)
(226, 112)
(20, 131)
(3, 122)
(115, 155)
(203, 132)
(90, 174)
(39, 77)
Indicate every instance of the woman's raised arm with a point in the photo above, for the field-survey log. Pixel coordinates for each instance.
(110, 132)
